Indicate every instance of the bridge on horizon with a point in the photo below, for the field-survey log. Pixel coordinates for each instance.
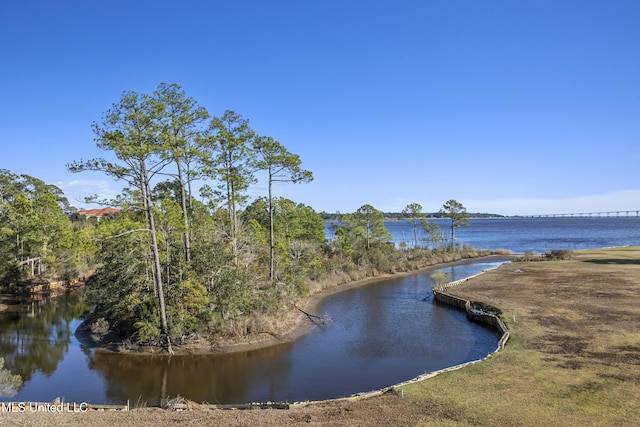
(584, 214)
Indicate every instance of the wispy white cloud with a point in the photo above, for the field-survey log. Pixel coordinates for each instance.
(615, 201)
(76, 190)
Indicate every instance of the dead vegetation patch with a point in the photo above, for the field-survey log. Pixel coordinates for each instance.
(560, 344)
(620, 378)
(626, 354)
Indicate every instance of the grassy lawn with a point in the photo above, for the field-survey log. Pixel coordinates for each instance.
(574, 353)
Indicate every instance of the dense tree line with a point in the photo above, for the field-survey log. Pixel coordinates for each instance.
(399, 216)
(172, 264)
(36, 236)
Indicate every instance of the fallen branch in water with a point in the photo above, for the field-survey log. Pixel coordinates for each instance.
(319, 320)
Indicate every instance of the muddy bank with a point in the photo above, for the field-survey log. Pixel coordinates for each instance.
(291, 325)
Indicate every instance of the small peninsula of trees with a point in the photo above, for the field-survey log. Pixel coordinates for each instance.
(160, 141)
(171, 265)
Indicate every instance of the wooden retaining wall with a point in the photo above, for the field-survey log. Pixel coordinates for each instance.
(456, 282)
(473, 313)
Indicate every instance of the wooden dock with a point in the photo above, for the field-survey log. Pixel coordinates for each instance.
(36, 290)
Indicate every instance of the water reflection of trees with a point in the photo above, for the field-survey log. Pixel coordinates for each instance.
(35, 335)
(222, 378)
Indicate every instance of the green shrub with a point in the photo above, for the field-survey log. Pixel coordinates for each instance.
(529, 256)
(147, 332)
(439, 278)
(559, 254)
(100, 326)
(379, 259)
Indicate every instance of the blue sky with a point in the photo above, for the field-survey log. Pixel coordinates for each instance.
(509, 107)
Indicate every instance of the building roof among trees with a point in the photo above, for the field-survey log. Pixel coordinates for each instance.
(93, 213)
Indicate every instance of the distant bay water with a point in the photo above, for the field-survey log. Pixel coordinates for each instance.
(530, 234)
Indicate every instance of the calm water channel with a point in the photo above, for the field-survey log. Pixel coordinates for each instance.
(379, 335)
